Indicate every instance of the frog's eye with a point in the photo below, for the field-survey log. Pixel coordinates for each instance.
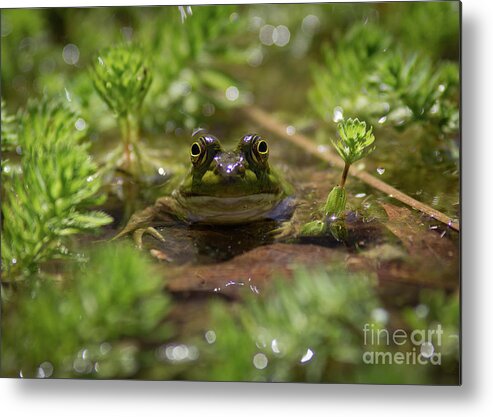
(262, 147)
(196, 152)
(260, 150)
(204, 149)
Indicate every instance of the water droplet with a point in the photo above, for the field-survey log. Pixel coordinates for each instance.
(310, 24)
(338, 114)
(307, 356)
(232, 93)
(233, 17)
(256, 57)
(265, 34)
(80, 124)
(161, 171)
(260, 361)
(422, 310)
(360, 195)
(45, 370)
(382, 120)
(275, 346)
(81, 365)
(281, 36)
(256, 22)
(380, 315)
(290, 130)
(210, 336)
(427, 349)
(70, 54)
(105, 348)
(208, 109)
(67, 95)
(100, 60)
(380, 171)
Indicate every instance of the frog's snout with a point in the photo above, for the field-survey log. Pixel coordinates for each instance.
(229, 165)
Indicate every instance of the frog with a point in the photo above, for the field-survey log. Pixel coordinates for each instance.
(222, 187)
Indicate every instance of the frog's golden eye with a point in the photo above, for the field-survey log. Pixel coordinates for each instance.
(262, 147)
(196, 152)
(260, 150)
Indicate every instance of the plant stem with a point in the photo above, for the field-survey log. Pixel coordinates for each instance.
(269, 123)
(344, 175)
(126, 138)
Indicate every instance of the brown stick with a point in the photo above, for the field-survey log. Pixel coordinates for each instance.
(257, 115)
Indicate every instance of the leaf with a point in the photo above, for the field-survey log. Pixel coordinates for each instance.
(336, 202)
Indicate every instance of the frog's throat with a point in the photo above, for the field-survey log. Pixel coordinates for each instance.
(230, 210)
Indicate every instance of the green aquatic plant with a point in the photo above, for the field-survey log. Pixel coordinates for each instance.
(86, 326)
(49, 196)
(432, 27)
(355, 141)
(190, 57)
(340, 82)
(9, 134)
(305, 331)
(418, 91)
(366, 75)
(297, 332)
(122, 77)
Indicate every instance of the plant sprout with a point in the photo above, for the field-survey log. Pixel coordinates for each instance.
(122, 78)
(354, 143)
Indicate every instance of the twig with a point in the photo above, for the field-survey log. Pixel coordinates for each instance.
(271, 124)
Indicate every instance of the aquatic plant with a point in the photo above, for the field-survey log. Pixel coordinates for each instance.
(189, 58)
(47, 196)
(429, 27)
(86, 326)
(366, 75)
(355, 141)
(9, 134)
(297, 332)
(122, 77)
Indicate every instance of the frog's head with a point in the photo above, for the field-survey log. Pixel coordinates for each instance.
(230, 173)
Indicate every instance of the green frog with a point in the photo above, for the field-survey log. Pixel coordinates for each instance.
(222, 187)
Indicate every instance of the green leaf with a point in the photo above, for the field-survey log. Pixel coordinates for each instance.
(336, 202)
(355, 140)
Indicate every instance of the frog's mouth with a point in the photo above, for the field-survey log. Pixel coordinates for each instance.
(235, 210)
(234, 186)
